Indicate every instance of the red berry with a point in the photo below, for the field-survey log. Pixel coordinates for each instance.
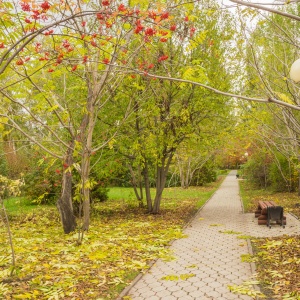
(122, 7)
(163, 57)
(85, 58)
(105, 60)
(25, 7)
(45, 5)
(149, 31)
(152, 15)
(165, 15)
(100, 16)
(138, 29)
(20, 62)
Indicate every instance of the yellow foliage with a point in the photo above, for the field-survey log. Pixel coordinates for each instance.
(9, 187)
(284, 97)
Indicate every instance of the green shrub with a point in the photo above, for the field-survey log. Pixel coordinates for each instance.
(99, 193)
(256, 169)
(283, 176)
(43, 181)
(204, 175)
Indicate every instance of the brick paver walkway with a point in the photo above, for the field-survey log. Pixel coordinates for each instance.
(211, 253)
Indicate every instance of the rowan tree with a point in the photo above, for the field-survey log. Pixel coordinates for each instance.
(92, 44)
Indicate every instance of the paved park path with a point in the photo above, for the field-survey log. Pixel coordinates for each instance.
(211, 253)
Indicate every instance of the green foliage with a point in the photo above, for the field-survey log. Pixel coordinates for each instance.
(205, 175)
(43, 182)
(256, 169)
(283, 175)
(271, 170)
(10, 187)
(3, 167)
(99, 193)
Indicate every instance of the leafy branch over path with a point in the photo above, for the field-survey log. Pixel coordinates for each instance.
(228, 94)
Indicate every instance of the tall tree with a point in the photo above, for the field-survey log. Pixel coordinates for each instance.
(168, 113)
(271, 49)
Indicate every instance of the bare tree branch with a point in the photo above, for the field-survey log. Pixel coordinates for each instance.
(269, 100)
(278, 12)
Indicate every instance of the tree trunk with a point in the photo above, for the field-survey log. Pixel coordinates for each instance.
(85, 173)
(184, 172)
(64, 203)
(141, 204)
(160, 185)
(86, 168)
(161, 177)
(181, 174)
(147, 187)
(135, 185)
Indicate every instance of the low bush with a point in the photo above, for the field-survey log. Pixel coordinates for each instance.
(10, 187)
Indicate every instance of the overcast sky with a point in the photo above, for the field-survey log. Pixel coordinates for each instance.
(260, 2)
(266, 3)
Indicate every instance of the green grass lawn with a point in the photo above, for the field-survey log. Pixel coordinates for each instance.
(121, 242)
(21, 205)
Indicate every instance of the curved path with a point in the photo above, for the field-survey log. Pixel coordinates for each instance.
(209, 259)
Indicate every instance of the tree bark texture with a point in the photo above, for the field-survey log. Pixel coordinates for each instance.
(64, 203)
(147, 187)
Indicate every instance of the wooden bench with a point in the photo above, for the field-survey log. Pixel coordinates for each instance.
(262, 213)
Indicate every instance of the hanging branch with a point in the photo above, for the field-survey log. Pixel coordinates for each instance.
(261, 7)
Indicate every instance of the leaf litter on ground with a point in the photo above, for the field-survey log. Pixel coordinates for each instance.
(120, 243)
(277, 259)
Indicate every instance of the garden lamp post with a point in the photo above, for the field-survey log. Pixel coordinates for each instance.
(295, 76)
(295, 71)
